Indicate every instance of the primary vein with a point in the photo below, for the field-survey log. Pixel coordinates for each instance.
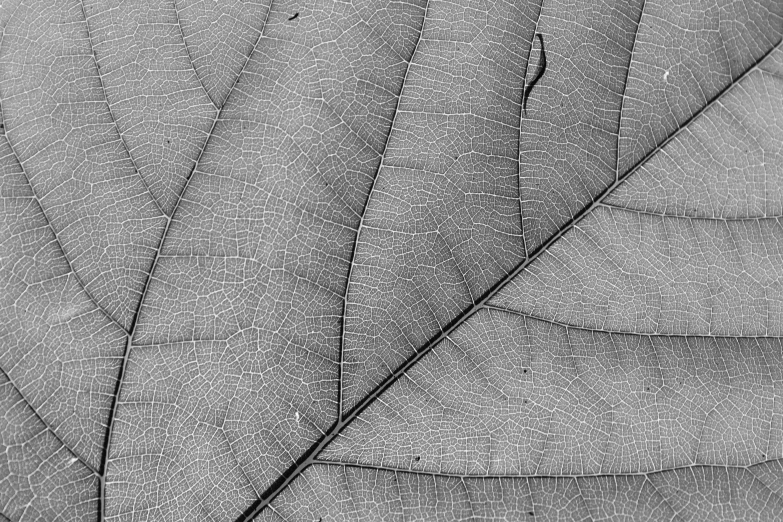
(311, 455)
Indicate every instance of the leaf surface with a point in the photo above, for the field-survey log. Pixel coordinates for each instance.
(326, 265)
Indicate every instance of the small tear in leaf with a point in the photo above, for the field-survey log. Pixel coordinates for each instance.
(665, 76)
(294, 17)
(296, 416)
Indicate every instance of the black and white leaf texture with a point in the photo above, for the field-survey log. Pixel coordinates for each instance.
(313, 261)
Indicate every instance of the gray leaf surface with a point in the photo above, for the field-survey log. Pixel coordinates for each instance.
(313, 261)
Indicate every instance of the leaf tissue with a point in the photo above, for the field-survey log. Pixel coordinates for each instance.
(391, 260)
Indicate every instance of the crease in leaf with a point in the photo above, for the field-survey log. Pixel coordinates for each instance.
(540, 70)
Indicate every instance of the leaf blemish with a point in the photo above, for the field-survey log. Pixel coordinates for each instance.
(539, 73)
(294, 16)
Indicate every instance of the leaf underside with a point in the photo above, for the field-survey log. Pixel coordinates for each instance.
(389, 260)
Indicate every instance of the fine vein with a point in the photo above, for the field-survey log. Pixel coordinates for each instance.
(169, 220)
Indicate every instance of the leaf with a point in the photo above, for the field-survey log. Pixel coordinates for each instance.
(343, 265)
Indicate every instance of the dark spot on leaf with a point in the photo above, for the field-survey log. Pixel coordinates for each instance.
(524, 371)
(417, 458)
(525, 401)
(648, 388)
(294, 17)
(530, 513)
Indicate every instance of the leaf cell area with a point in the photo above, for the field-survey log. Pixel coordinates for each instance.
(391, 260)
